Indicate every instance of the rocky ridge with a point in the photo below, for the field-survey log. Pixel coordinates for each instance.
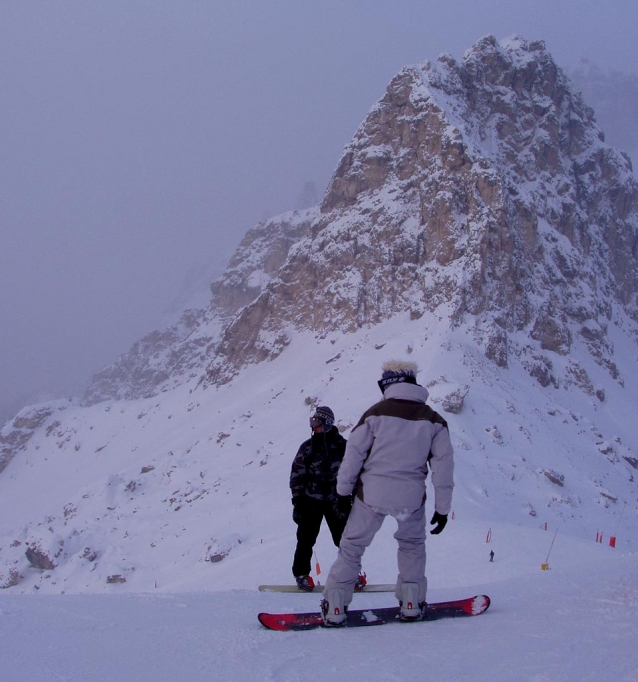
(614, 95)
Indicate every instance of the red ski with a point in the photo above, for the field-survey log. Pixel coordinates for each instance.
(472, 606)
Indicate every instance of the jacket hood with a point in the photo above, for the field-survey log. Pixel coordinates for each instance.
(404, 391)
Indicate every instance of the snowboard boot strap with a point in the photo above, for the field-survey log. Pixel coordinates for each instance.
(333, 608)
(410, 607)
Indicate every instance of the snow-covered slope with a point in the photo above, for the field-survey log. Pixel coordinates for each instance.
(189, 490)
(576, 622)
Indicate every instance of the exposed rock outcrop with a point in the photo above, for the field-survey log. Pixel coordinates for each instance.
(258, 259)
(484, 186)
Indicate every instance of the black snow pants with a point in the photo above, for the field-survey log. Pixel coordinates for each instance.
(308, 525)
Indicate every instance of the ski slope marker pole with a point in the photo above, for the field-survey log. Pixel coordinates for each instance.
(612, 539)
(545, 566)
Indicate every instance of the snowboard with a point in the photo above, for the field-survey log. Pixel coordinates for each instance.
(389, 587)
(460, 608)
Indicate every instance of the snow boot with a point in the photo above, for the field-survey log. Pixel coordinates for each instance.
(410, 609)
(305, 583)
(333, 608)
(361, 582)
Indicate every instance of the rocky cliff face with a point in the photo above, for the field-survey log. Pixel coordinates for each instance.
(159, 361)
(482, 188)
(15, 436)
(260, 255)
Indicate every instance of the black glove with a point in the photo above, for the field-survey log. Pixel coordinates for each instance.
(441, 522)
(343, 505)
(299, 506)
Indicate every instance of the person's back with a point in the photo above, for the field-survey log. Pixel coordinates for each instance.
(390, 448)
(315, 467)
(386, 463)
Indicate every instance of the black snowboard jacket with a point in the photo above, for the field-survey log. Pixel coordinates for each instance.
(316, 464)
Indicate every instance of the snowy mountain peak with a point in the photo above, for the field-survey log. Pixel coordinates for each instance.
(481, 189)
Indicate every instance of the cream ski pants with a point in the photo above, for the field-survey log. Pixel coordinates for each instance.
(363, 523)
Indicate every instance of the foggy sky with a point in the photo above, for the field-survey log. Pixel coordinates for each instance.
(139, 141)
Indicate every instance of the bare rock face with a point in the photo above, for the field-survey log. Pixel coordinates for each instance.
(9, 579)
(258, 259)
(484, 186)
(453, 402)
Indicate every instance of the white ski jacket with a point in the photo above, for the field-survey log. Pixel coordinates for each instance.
(388, 453)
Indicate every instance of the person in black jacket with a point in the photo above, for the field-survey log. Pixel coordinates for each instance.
(313, 481)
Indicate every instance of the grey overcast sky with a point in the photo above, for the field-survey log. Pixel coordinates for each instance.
(140, 139)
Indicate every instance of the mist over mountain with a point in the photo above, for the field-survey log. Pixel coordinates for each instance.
(614, 97)
(477, 222)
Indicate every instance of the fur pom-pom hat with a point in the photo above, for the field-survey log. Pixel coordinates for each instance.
(397, 371)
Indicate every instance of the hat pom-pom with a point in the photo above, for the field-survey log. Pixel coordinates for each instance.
(406, 367)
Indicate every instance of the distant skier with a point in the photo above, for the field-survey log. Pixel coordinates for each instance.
(492, 555)
(313, 484)
(386, 460)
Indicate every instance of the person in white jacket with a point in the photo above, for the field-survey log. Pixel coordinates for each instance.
(387, 458)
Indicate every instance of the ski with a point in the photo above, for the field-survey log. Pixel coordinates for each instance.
(389, 587)
(472, 606)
